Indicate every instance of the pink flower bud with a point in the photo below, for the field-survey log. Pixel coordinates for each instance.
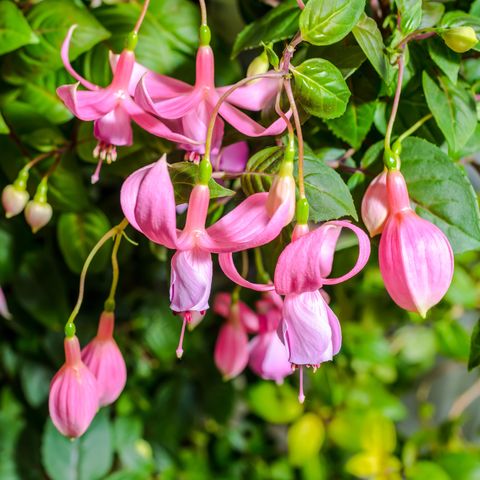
(14, 200)
(282, 190)
(38, 214)
(104, 359)
(374, 205)
(416, 259)
(231, 349)
(4, 311)
(73, 400)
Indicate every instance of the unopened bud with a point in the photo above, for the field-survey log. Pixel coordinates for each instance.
(374, 205)
(38, 211)
(282, 190)
(14, 200)
(460, 39)
(258, 65)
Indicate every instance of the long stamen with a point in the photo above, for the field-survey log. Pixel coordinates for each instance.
(301, 396)
(96, 175)
(187, 317)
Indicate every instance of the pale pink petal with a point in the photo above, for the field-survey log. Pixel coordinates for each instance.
(233, 158)
(4, 311)
(205, 68)
(374, 205)
(114, 128)
(137, 73)
(148, 202)
(231, 350)
(334, 327)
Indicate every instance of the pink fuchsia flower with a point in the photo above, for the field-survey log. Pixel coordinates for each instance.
(104, 359)
(191, 107)
(415, 256)
(73, 400)
(375, 205)
(148, 202)
(232, 158)
(4, 311)
(112, 108)
(248, 318)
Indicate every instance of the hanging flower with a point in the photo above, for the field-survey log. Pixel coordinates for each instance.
(375, 205)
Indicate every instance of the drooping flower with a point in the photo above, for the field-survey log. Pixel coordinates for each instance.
(192, 106)
(248, 318)
(73, 399)
(14, 200)
(375, 205)
(415, 256)
(148, 202)
(4, 311)
(104, 359)
(38, 214)
(112, 108)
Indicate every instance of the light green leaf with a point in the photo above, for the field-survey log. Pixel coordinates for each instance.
(324, 22)
(453, 108)
(442, 193)
(423, 469)
(278, 24)
(320, 88)
(305, 438)
(14, 29)
(368, 36)
(410, 14)
(447, 60)
(432, 13)
(3, 126)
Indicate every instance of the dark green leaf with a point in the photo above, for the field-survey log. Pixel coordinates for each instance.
(410, 14)
(78, 233)
(372, 154)
(474, 357)
(3, 126)
(453, 108)
(278, 24)
(324, 22)
(7, 260)
(260, 170)
(370, 39)
(320, 88)
(447, 60)
(89, 457)
(184, 176)
(14, 29)
(347, 58)
(35, 382)
(442, 193)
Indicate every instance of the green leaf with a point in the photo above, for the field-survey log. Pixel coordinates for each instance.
(410, 14)
(320, 88)
(305, 438)
(89, 457)
(347, 58)
(35, 382)
(423, 469)
(369, 37)
(372, 154)
(51, 20)
(474, 357)
(278, 24)
(442, 193)
(324, 22)
(447, 60)
(184, 177)
(7, 259)
(169, 33)
(265, 162)
(3, 126)
(354, 125)
(78, 233)
(432, 13)
(14, 29)
(453, 108)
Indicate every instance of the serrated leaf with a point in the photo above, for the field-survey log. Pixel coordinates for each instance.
(347, 58)
(369, 37)
(14, 28)
(89, 457)
(474, 356)
(278, 24)
(410, 14)
(453, 108)
(324, 22)
(184, 177)
(447, 60)
(320, 88)
(442, 193)
(77, 234)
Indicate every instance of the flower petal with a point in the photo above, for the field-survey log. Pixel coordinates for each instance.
(114, 128)
(4, 311)
(233, 158)
(231, 350)
(137, 73)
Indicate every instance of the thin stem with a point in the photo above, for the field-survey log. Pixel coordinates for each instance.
(53, 167)
(117, 230)
(280, 113)
(298, 127)
(396, 100)
(413, 128)
(203, 11)
(301, 5)
(142, 16)
(464, 400)
(115, 269)
(262, 274)
(211, 125)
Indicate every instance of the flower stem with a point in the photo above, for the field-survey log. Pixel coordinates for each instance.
(301, 5)
(413, 128)
(117, 230)
(110, 302)
(142, 16)
(203, 11)
(262, 274)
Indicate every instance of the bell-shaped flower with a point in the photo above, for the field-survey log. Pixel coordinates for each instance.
(148, 202)
(4, 311)
(104, 359)
(14, 200)
(375, 205)
(73, 399)
(192, 106)
(415, 256)
(248, 318)
(111, 108)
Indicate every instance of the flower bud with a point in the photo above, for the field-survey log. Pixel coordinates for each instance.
(258, 65)
(416, 259)
(14, 200)
(374, 205)
(460, 39)
(37, 214)
(104, 359)
(73, 399)
(282, 190)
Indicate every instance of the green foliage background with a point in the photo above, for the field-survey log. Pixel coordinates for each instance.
(397, 401)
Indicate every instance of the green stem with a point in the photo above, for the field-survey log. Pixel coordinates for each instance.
(110, 302)
(413, 128)
(203, 11)
(142, 16)
(262, 274)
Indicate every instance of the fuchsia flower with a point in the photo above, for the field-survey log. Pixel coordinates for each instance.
(148, 202)
(190, 107)
(268, 355)
(231, 348)
(375, 205)
(309, 328)
(416, 259)
(4, 311)
(112, 108)
(104, 359)
(73, 400)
